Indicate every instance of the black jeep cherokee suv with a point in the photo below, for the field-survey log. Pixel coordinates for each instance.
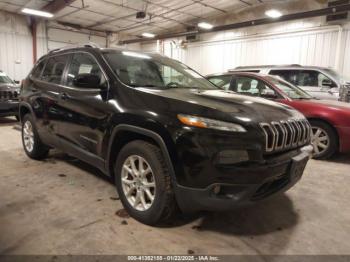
(167, 136)
(9, 93)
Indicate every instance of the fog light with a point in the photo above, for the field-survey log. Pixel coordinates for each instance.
(216, 190)
(229, 157)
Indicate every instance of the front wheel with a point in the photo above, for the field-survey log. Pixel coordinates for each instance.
(324, 140)
(32, 144)
(143, 182)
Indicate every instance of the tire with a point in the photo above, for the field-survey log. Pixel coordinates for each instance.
(38, 150)
(328, 137)
(164, 206)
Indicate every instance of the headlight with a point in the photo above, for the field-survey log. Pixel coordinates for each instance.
(210, 123)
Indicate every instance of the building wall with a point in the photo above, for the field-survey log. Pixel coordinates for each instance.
(306, 42)
(16, 52)
(58, 38)
(346, 54)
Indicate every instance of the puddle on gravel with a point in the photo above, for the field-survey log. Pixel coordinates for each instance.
(62, 175)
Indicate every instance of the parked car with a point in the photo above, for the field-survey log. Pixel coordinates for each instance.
(330, 120)
(167, 136)
(320, 82)
(9, 93)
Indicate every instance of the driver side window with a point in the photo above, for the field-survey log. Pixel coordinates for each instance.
(84, 72)
(246, 85)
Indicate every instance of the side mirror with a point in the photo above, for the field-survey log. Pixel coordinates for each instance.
(87, 81)
(268, 93)
(327, 83)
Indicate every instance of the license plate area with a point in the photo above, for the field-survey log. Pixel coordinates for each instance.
(297, 168)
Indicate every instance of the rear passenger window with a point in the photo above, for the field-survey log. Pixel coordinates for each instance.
(54, 69)
(36, 73)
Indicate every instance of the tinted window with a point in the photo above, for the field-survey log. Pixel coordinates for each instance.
(221, 81)
(38, 69)
(54, 69)
(84, 66)
(246, 85)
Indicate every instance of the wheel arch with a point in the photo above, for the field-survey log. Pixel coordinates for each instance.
(330, 125)
(24, 109)
(123, 134)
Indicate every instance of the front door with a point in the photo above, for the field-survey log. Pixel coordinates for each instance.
(83, 100)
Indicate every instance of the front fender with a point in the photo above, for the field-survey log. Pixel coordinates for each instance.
(163, 143)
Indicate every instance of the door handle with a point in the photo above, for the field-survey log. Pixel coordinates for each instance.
(64, 96)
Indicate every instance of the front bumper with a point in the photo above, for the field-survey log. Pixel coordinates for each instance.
(9, 108)
(256, 184)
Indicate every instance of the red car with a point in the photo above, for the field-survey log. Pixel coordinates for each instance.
(330, 120)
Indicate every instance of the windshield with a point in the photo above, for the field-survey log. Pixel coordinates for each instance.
(336, 75)
(4, 79)
(142, 70)
(290, 90)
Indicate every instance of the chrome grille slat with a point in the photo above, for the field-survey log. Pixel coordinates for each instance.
(281, 135)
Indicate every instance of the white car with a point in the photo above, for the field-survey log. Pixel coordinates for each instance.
(322, 83)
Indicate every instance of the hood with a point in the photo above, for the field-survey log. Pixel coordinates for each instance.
(8, 87)
(240, 107)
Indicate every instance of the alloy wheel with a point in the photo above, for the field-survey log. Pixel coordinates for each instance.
(138, 182)
(320, 140)
(28, 136)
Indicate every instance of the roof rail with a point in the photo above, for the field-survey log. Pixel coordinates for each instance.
(90, 44)
(264, 66)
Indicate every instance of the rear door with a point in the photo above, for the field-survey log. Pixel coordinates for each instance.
(42, 89)
(83, 103)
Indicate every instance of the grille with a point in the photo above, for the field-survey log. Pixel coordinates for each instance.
(8, 95)
(286, 134)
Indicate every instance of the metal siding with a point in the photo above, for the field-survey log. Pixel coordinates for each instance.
(58, 38)
(316, 47)
(346, 64)
(16, 52)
